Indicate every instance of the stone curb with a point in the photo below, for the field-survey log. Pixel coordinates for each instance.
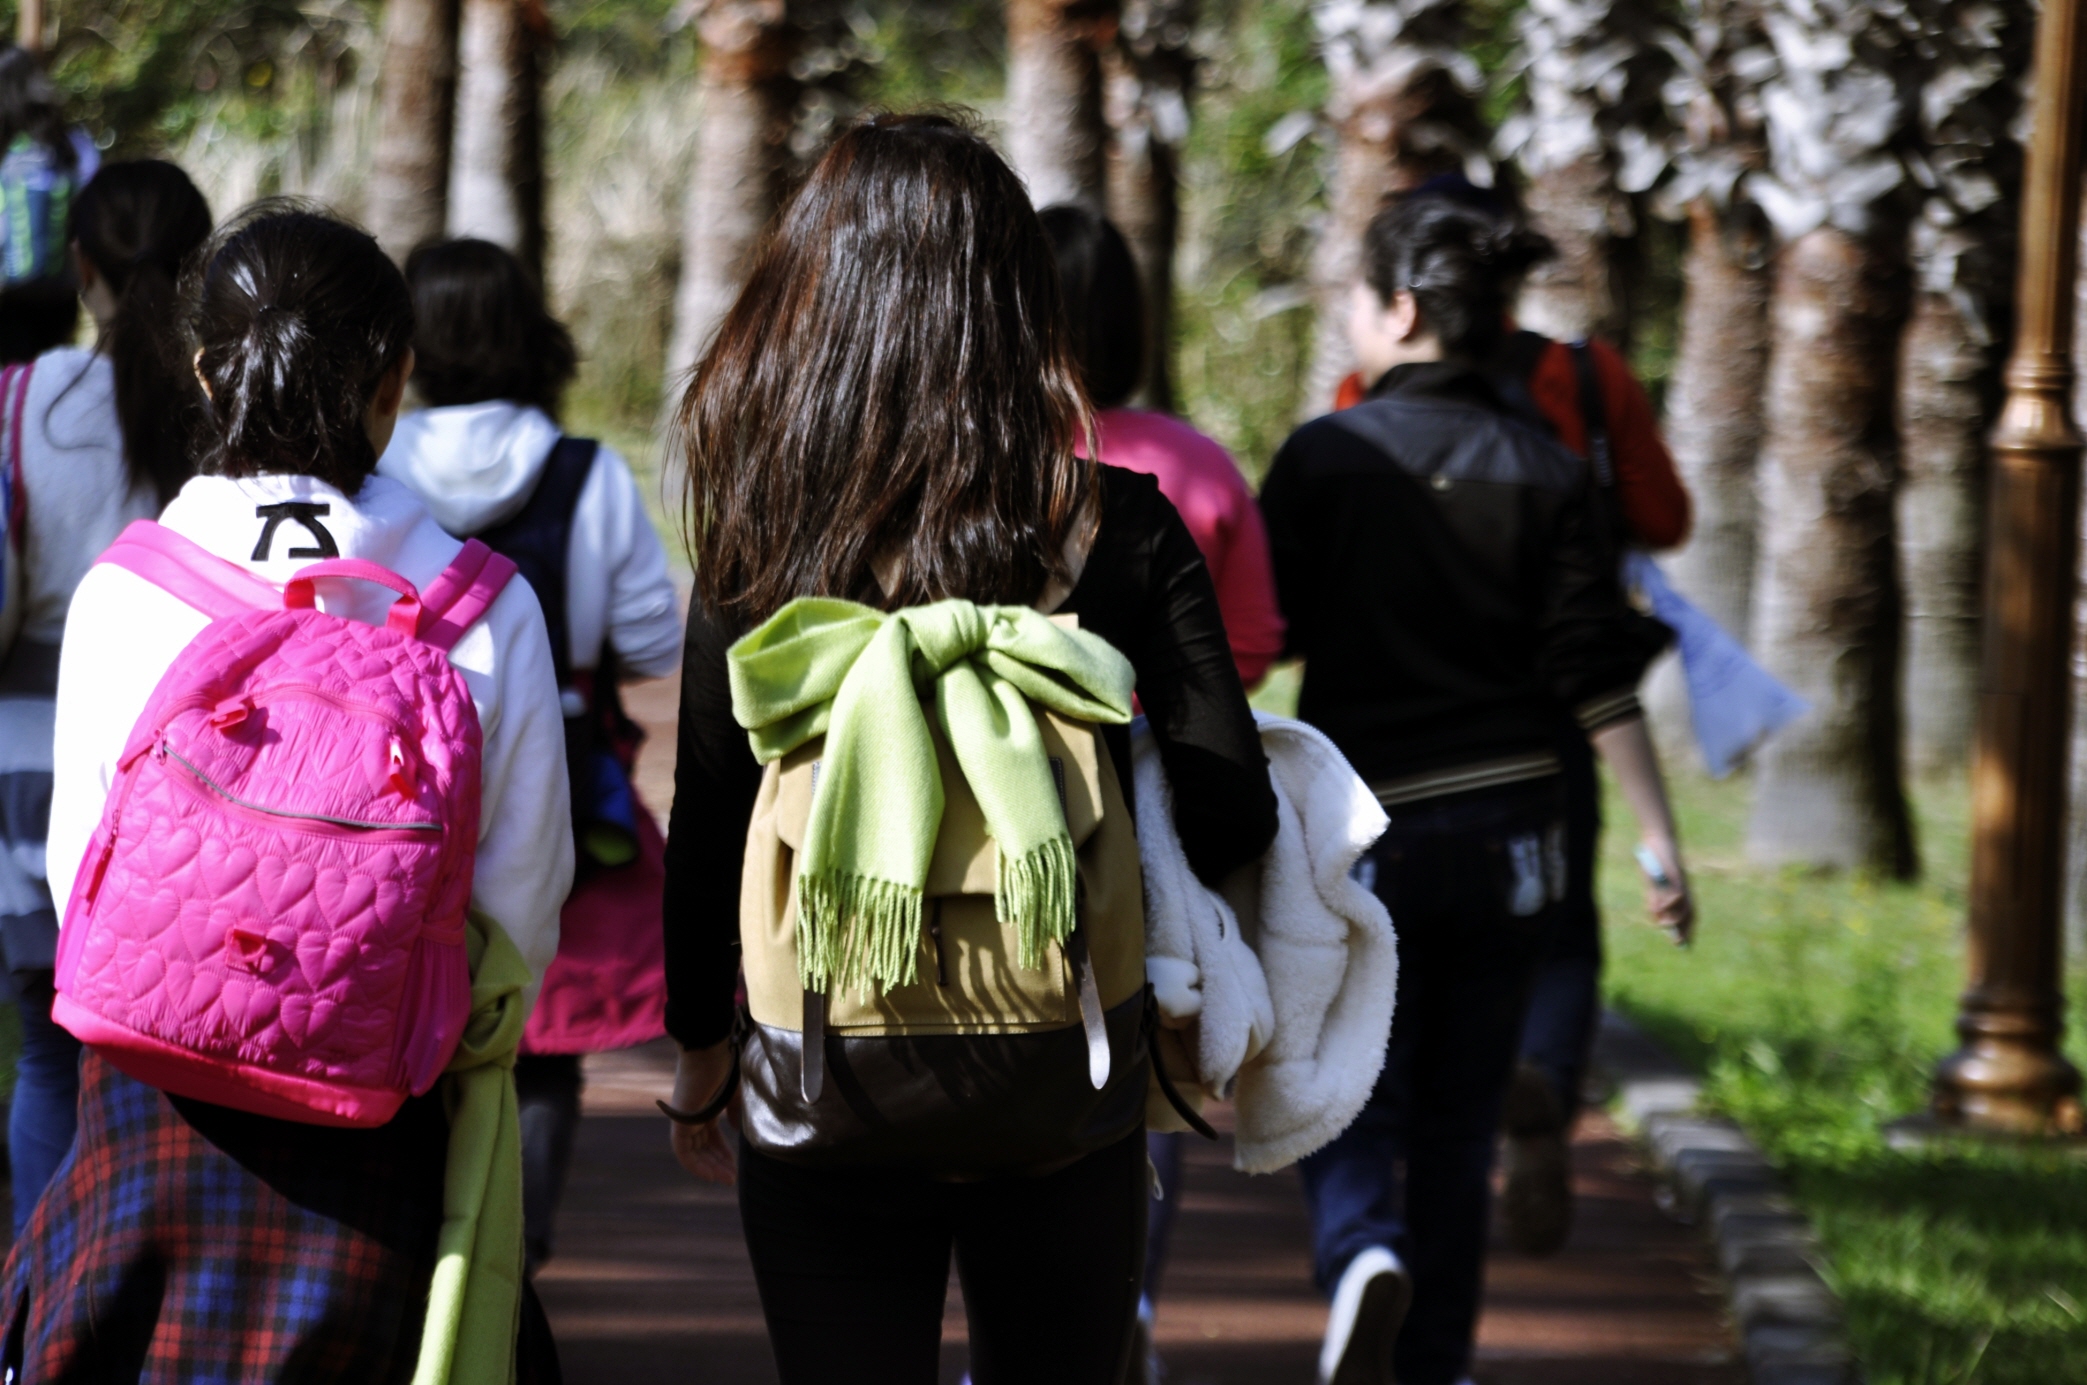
(1790, 1323)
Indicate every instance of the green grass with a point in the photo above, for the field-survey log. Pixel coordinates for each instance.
(1816, 1005)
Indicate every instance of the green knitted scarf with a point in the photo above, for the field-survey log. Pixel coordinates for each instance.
(856, 676)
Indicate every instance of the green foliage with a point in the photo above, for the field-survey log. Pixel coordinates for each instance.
(1244, 321)
(1816, 1005)
(142, 74)
(945, 53)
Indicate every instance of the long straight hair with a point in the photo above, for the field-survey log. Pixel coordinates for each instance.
(895, 385)
(138, 223)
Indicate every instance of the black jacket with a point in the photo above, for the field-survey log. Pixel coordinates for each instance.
(1145, 590)
(1444, 575)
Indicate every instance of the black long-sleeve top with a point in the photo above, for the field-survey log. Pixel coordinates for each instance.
(1144, 589)
(1444, 575)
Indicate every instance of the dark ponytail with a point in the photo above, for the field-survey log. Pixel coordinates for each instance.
(1463, 265)
(299, 316)
(137, 223)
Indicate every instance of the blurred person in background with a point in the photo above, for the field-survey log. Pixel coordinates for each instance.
(1584, 395)
(104, 437)
(1440, 562)
(1105, 304)
(43, 166)
(490, 461)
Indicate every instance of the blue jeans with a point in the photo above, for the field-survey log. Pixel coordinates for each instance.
(45, 1114)
(1473, 883)
(1565, 1000)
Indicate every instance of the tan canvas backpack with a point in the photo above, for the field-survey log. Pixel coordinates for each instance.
(982, 1066)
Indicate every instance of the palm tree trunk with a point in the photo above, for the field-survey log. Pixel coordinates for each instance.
(742, 143)
(1148, 77)
(496, 182)
(1056, 136)
(1713, 426)
(1829, 789)
(1579, 293)
(1946, 401)
(409, 177)
(1399, 117)
(1714, 406)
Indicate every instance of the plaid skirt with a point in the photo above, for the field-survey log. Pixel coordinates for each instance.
(183, 1242)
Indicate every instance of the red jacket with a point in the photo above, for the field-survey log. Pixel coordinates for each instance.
(1655, 504)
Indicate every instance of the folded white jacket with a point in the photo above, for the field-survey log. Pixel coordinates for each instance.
(1281, 988)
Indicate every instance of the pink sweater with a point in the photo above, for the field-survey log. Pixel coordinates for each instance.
(1198, 476)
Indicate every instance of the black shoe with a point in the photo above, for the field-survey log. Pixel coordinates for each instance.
(1369, 1307)
(1537, 1207)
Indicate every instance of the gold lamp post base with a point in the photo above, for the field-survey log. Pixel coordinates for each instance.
(1997, 1084)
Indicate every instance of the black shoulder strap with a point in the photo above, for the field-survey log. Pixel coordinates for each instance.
(1594, 415)
(539, 538)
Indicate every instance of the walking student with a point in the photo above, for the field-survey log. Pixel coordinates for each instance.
(96, 438)
(1441, 569)
(889, 420)
(284, 1227)
(43, 166)
(489, 459)
(1105, 305)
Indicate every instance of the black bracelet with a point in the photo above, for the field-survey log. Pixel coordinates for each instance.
(717, 1104)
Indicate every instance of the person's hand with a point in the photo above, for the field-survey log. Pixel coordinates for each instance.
(1669, 902)
(702, 1149)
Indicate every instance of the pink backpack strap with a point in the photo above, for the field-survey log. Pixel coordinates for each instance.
(215, 586)
(461, 594)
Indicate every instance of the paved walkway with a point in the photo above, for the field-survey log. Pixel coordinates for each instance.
(651, 1281)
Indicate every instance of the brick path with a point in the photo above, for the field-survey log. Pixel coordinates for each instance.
(651, 1282)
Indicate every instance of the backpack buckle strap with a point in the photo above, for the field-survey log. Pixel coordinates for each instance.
(1091, 1018)
(813, 1079)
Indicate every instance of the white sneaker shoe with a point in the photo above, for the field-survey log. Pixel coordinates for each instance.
(1369, 1305)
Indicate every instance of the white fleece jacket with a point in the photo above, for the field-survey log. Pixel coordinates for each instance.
(123, 632)
(1283, 987)
(475, 465)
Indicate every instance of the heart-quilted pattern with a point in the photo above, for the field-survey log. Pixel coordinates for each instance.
(334, 980)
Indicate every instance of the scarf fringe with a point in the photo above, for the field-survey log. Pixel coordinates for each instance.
(855, 930)
(1039, 893)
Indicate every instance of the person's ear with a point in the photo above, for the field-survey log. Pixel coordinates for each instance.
(84, 268)
(1402, 315)
(391, 390)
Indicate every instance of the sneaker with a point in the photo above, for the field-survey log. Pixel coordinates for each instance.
(1369, 1306)
(1145, 1365)
(1536, 1209)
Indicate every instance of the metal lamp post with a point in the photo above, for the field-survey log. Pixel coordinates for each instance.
(2009, 1074)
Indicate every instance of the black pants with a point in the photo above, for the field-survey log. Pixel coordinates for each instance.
(1565, 1000)
(547, 1088)
(853, 1266)
(1473, 884)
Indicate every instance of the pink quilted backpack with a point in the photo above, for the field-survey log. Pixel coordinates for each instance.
(271, 915)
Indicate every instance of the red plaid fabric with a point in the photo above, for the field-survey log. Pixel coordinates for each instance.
(188, 1243)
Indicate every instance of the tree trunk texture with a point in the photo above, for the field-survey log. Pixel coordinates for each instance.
(1714, 428)
(496, 179)
(2076, 813)
(1581, 292)
(1147, 78)
(1829, 789)
(1945, 406)
(742, 145)
(409, 175)
(1375, 156)
(1056, 134)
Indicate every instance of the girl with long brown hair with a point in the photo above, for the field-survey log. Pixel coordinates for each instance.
(891, 414)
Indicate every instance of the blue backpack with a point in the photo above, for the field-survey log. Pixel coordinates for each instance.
(36, 196)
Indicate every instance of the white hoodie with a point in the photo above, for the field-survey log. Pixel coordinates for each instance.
(123, 632)
(475, 465)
